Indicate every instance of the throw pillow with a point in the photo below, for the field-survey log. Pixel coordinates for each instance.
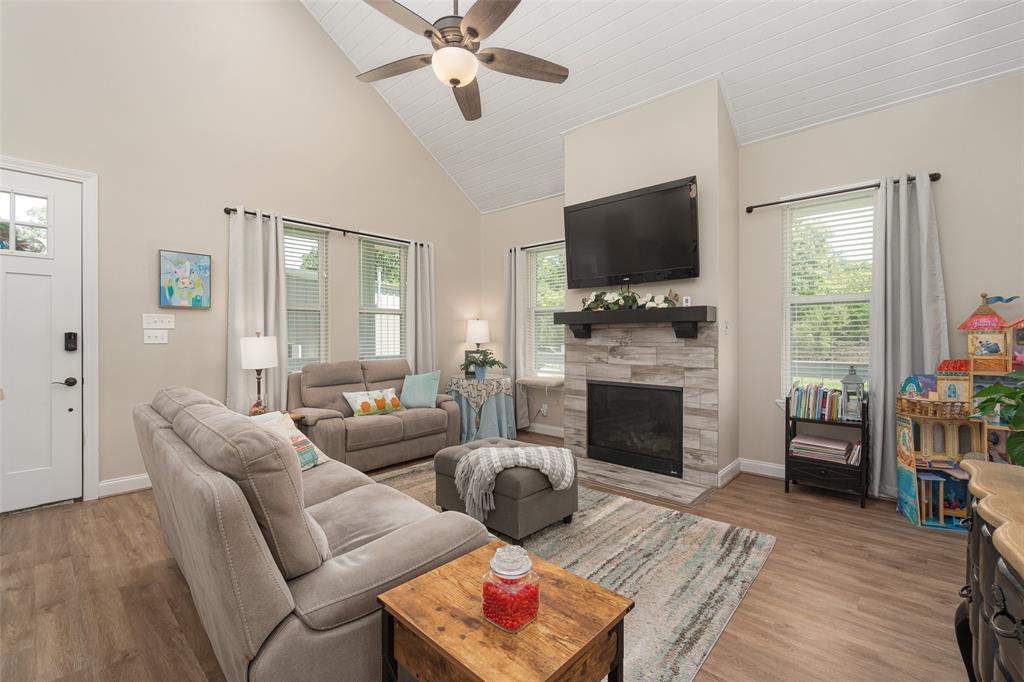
(280, 424)
(420, 390)
(377, 401)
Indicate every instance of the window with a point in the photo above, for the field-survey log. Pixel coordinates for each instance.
(545, 340)
(382, 272)
(29, 230)
(827, 252)
(305, 274)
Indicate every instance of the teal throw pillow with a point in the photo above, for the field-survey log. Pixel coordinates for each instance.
(420, 390)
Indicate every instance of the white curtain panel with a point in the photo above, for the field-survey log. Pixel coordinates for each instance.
(515, 330)
(256, 303)
(909, 334)
(421, 311)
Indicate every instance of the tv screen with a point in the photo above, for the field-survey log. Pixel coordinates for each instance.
(645, 235)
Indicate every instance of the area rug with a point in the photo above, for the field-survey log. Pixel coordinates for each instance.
(687, 574)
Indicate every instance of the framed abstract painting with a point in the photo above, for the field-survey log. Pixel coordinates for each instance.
(184, 280)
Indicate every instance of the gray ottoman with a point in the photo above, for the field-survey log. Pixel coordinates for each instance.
(523, 499)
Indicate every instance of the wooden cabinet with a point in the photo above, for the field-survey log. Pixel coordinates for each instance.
(990, 622)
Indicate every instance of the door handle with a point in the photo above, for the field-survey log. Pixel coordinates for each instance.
(70, 381)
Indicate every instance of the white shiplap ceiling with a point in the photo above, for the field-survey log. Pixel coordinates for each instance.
(783, 65)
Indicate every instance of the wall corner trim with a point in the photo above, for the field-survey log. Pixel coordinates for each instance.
(756, 466)
(547, 430)
(123, 484)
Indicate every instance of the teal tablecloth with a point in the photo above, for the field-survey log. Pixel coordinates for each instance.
(486, 408)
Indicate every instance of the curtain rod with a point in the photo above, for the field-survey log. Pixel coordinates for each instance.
(750, 209)
(294, 221)
(540, 244)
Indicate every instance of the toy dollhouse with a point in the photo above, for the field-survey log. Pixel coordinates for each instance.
(935, 424)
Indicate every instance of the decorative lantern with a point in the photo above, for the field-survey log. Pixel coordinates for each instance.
(853, 395)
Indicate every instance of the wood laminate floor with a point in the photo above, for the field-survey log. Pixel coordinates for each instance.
(89, 591)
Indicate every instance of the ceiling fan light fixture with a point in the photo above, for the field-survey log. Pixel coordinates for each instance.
(454, 66)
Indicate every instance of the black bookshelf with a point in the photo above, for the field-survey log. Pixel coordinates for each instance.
(846, 478)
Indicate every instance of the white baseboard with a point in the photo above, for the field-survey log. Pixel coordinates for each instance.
(123, 484)
(547, 430)
(756, 466)
(731, 471)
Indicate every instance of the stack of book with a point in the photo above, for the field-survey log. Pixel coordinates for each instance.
(814, 401)
(825, 449)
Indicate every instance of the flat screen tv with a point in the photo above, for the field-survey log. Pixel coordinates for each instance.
(646, 235)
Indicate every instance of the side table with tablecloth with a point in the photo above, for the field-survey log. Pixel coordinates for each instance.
(486, 407)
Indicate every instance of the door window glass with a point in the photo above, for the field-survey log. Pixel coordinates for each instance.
(24, 223)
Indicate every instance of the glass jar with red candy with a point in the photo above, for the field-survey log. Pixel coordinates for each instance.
(511, 591)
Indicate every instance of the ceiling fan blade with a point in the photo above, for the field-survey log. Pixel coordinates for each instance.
(401, 14)
(468, 97)
(396, 68)
(485, 16)
(523, 65)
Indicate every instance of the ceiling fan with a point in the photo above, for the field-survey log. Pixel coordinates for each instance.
(456, 40)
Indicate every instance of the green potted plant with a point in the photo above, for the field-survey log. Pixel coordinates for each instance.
(1007, 402)
(480, 360)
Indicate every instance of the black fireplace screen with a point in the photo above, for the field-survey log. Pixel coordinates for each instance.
(636, 425)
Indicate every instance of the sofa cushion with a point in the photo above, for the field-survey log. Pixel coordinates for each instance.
(324, 481)
(422, 421)
(365, 513)
(267, 471)
(323, 383)
(346, 587)
(515, 483)
(168, 402)
(420, 390)
(372, 430)
(385, 373)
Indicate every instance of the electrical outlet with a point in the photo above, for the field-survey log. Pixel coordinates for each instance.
(544, 409)
(152, 321)
(686, 301)
(154, 336)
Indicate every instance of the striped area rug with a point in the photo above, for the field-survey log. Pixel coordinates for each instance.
(687, 574)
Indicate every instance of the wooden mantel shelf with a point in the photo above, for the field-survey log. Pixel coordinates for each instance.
(684, 319)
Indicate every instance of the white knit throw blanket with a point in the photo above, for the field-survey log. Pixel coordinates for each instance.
(477, 470)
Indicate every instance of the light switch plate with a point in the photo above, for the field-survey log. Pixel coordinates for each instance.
(161, 321)
(154, 336)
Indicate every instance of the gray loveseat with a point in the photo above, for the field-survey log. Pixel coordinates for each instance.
(374, 441)
(284, 566)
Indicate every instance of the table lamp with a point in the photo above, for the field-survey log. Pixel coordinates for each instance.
(258, 353)
(478, 331)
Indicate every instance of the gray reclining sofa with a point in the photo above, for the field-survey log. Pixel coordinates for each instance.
(284, 565)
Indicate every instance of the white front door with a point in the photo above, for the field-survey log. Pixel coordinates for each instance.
(40, 338)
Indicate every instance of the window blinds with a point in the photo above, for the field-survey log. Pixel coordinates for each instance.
(827, 254)
(382, 299)
(545, 339)
(305, 274)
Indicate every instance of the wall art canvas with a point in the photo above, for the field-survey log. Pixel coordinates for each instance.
(184, 280)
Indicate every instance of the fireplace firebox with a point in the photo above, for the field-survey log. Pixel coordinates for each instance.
(636, 425)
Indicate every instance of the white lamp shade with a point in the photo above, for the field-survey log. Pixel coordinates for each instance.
(454, 66)
(478, 331)
(259, 352)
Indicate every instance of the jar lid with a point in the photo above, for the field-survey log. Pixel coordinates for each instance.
(511, 561)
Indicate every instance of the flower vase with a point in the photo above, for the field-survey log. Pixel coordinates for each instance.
(481, 372)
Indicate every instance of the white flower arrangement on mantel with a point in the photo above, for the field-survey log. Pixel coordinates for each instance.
(629, 300)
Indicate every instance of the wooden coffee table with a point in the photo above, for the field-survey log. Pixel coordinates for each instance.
(433, 625)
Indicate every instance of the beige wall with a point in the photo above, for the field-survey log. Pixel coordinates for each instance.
(973, 135)
(682, 134)
(670, 138)
(533, 223)
(183, 108)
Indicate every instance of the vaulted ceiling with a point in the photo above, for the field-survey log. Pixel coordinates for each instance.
(783, 65)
